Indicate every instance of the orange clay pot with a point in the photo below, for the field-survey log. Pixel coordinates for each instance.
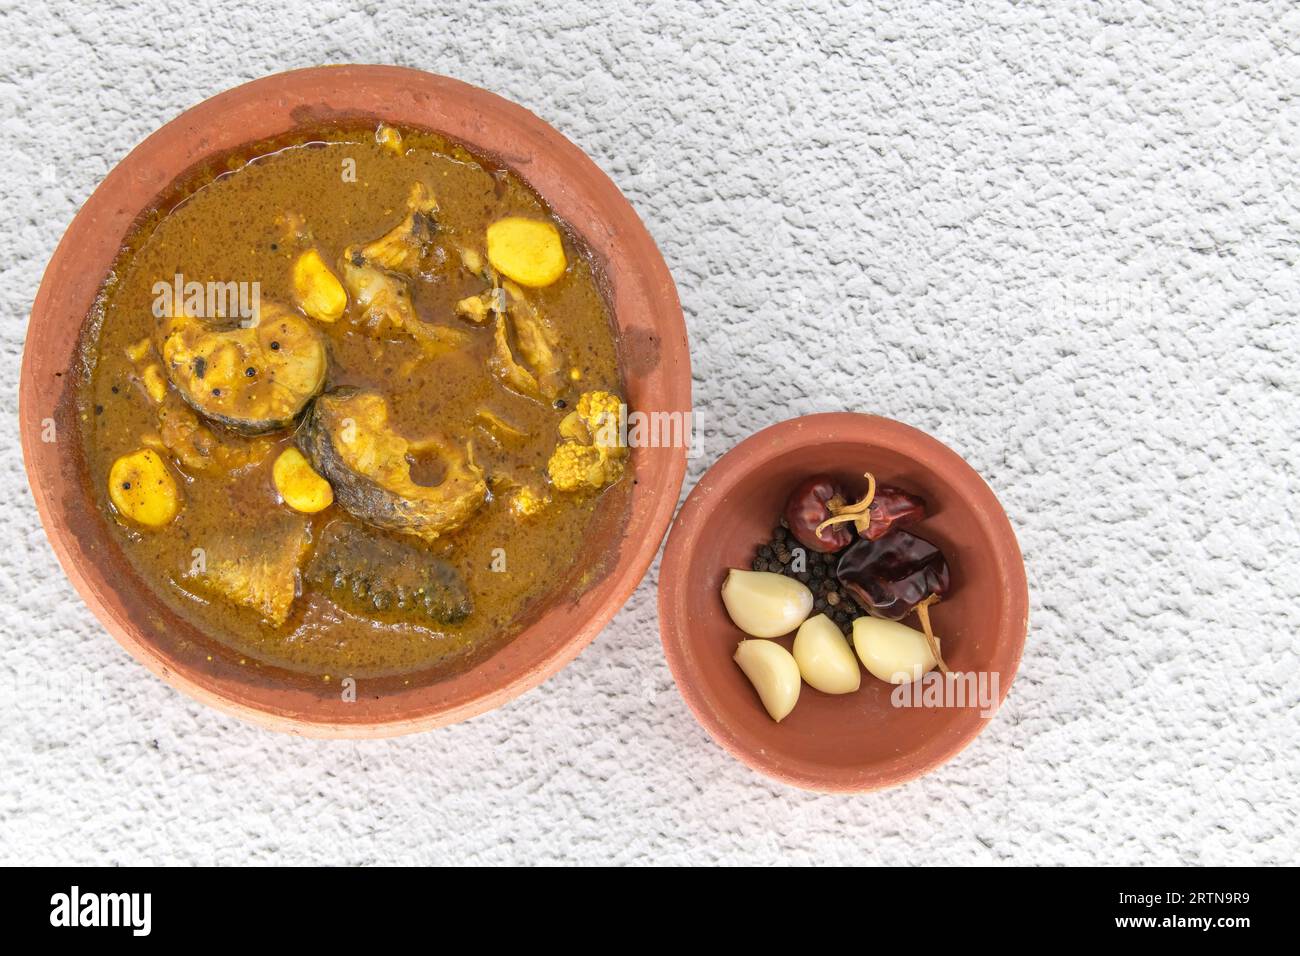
(652, 345)
(858, 741)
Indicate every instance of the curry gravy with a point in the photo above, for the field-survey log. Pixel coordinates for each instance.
(229, 226)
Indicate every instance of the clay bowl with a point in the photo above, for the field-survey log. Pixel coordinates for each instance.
(852, 742)
(653, 351)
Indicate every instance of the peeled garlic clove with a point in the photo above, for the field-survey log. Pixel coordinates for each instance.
(892, 651)
(824, 657)
(299, 485)
(318, 291)
(142, 489)
(774, 674)
(764, 604)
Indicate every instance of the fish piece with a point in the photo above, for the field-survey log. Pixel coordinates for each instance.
(369, 572)
(497, 427)
(255, 564)
(190, 443)
(347, 437)
(406, 246)
(201, 449)
(253, 379)
(384, 304)
(525, 346)
(525, 349)
(538, 342)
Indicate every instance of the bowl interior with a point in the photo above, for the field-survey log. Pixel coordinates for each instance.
(860, 740)
(652, 352)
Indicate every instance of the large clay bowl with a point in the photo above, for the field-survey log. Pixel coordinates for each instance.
(653, 352)
(859, 741)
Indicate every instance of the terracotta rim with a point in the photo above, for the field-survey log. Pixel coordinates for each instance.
(640, 288)
(753, 454)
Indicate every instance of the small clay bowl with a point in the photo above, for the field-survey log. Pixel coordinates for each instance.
(852, 742)
(652, 344)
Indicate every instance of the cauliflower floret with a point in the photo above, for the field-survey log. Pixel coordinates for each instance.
(602, 412)
(591, 454)
(575, 467)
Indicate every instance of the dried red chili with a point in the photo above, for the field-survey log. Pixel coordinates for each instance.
(808, 506)
(894, 575)
(890, 576)
(880, 510)
(891, 508)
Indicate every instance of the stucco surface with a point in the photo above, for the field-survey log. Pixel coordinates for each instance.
(1061, 237)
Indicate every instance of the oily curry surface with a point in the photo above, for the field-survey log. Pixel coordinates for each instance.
(351, 404)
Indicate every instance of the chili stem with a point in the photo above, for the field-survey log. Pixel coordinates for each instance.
(923, 612)
(850, 512)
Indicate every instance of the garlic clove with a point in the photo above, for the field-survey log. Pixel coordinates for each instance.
(824, 657)
(891, 651)
(300, 487)
(764, 604)
(142, 488)
(774, 674)
(317, 290)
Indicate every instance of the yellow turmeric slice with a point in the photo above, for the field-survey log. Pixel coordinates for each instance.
(299, 485)
(529, 251)
(319, 292)
(143, 490)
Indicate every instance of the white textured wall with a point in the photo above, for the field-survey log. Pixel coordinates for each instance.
(1062, 237)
